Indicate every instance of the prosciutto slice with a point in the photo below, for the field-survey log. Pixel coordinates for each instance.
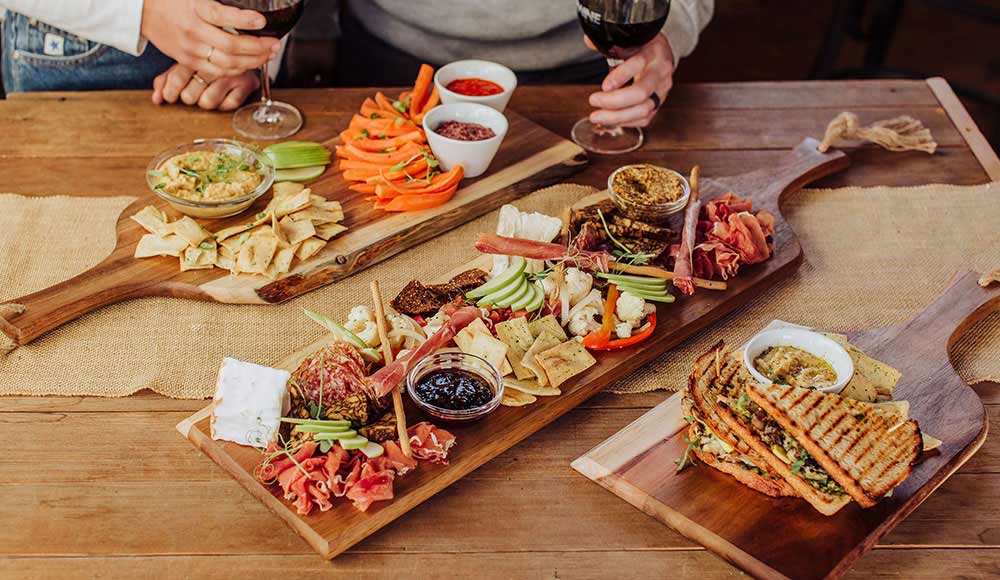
(430, 443)
(743, 232)
(391, 375)
(684, 260)
(494, 244)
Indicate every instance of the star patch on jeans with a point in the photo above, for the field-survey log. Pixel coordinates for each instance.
(54, 44)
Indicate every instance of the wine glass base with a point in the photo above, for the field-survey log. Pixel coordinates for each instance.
(267, 122)
(606, 140)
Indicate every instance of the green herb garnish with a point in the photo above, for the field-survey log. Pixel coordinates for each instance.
(687, 459)
(798, 463)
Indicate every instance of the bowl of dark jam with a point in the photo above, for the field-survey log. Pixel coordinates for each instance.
(455, 386)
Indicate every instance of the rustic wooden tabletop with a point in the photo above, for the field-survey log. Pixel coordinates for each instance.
(96, 487)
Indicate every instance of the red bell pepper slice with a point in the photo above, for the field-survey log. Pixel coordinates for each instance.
(599, 338)
(632, 340)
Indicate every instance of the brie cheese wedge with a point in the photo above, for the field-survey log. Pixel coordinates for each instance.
(249, 403)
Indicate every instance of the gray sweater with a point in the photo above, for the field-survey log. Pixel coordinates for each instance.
(522, 34)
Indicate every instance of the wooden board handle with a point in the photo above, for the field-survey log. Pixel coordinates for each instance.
(803, 165)
(30, 316)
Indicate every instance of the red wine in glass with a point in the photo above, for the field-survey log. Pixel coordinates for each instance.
(618, 28)
(269, 119)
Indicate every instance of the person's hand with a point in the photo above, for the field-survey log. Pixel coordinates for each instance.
(631, 105)
(223, 93)
(190, 32)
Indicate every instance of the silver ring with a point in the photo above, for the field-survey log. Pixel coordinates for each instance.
(656, 100)
(211, 51)
(198, 78)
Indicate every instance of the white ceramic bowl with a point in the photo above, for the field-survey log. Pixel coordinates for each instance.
(480, 69)
(807, 340)
(474, 156)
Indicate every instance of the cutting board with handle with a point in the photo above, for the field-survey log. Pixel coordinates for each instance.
(531, 157)
(787, 538)
(334, 531)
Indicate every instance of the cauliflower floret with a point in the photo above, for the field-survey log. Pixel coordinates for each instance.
(361, 321)
(434, 323)
(623, 328)
(578, 284)
(630, 308)
(403, 331)
(583, 322)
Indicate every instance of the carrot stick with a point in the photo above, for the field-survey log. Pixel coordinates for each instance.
(421, 88)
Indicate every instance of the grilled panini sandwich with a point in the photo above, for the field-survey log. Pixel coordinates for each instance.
(868, 449)
(712, 442)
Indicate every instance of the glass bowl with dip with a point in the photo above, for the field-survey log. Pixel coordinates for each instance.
(455, 386)
(210, 178)
(476, 81)
(800, 358)
(465, 134)
(648, 193)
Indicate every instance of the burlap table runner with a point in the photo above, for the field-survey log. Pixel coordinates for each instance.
(874, 257)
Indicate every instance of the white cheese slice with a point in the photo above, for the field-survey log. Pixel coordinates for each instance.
(249, 403)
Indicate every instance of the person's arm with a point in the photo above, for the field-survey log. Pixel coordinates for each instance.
(686, 20)
(115, 23)
(189, 31)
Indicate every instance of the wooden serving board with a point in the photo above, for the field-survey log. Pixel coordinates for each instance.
(786, 538)
(333, 532)
(531, 157)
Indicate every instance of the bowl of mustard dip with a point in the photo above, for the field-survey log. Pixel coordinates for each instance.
(800, 358)
(210, 178)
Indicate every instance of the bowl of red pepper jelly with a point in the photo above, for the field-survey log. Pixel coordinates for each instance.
(455, 386)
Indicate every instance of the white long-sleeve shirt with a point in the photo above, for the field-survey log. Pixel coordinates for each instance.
(116, 23)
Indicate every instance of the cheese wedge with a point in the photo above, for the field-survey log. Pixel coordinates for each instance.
(249, 403)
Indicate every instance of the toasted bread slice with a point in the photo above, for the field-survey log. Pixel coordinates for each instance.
(867, 449)
(713, 376)
(825, 503)
(734, 465)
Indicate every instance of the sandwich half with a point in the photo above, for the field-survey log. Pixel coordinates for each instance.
(867, 449)
(712, 441)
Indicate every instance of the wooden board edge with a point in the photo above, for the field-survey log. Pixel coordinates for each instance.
(185, 426)
(681, 524)
(964, 124)
(203, 443)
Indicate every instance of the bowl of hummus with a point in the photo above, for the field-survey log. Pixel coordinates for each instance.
(210, 178)
(800, 358)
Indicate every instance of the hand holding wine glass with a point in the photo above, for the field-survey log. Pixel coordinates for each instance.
(626, 32)
(191, 32)
(631, 104)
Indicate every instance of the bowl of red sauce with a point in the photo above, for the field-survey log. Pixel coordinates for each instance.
(466, 134)
(476, 81)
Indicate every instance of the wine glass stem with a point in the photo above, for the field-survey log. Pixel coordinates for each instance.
(264, 113)
(611, 130)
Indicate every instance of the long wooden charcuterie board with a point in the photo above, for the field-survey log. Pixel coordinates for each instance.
(531, 157)
(332, 532)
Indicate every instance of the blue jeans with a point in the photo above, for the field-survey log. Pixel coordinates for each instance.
(82, 65)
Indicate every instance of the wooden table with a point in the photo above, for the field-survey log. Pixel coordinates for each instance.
(105, 487)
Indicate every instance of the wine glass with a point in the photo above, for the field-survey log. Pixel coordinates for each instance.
(269, 119)
(618, 28)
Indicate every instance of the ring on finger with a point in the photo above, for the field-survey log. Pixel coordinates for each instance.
(211, 51)
(656, 100)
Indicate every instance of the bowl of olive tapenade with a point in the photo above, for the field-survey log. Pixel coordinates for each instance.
(455, 386)
(800, 358)
(647, 192)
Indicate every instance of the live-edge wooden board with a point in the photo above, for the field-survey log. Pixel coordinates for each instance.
(333, 532)
(531, 157)
(786, 538)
